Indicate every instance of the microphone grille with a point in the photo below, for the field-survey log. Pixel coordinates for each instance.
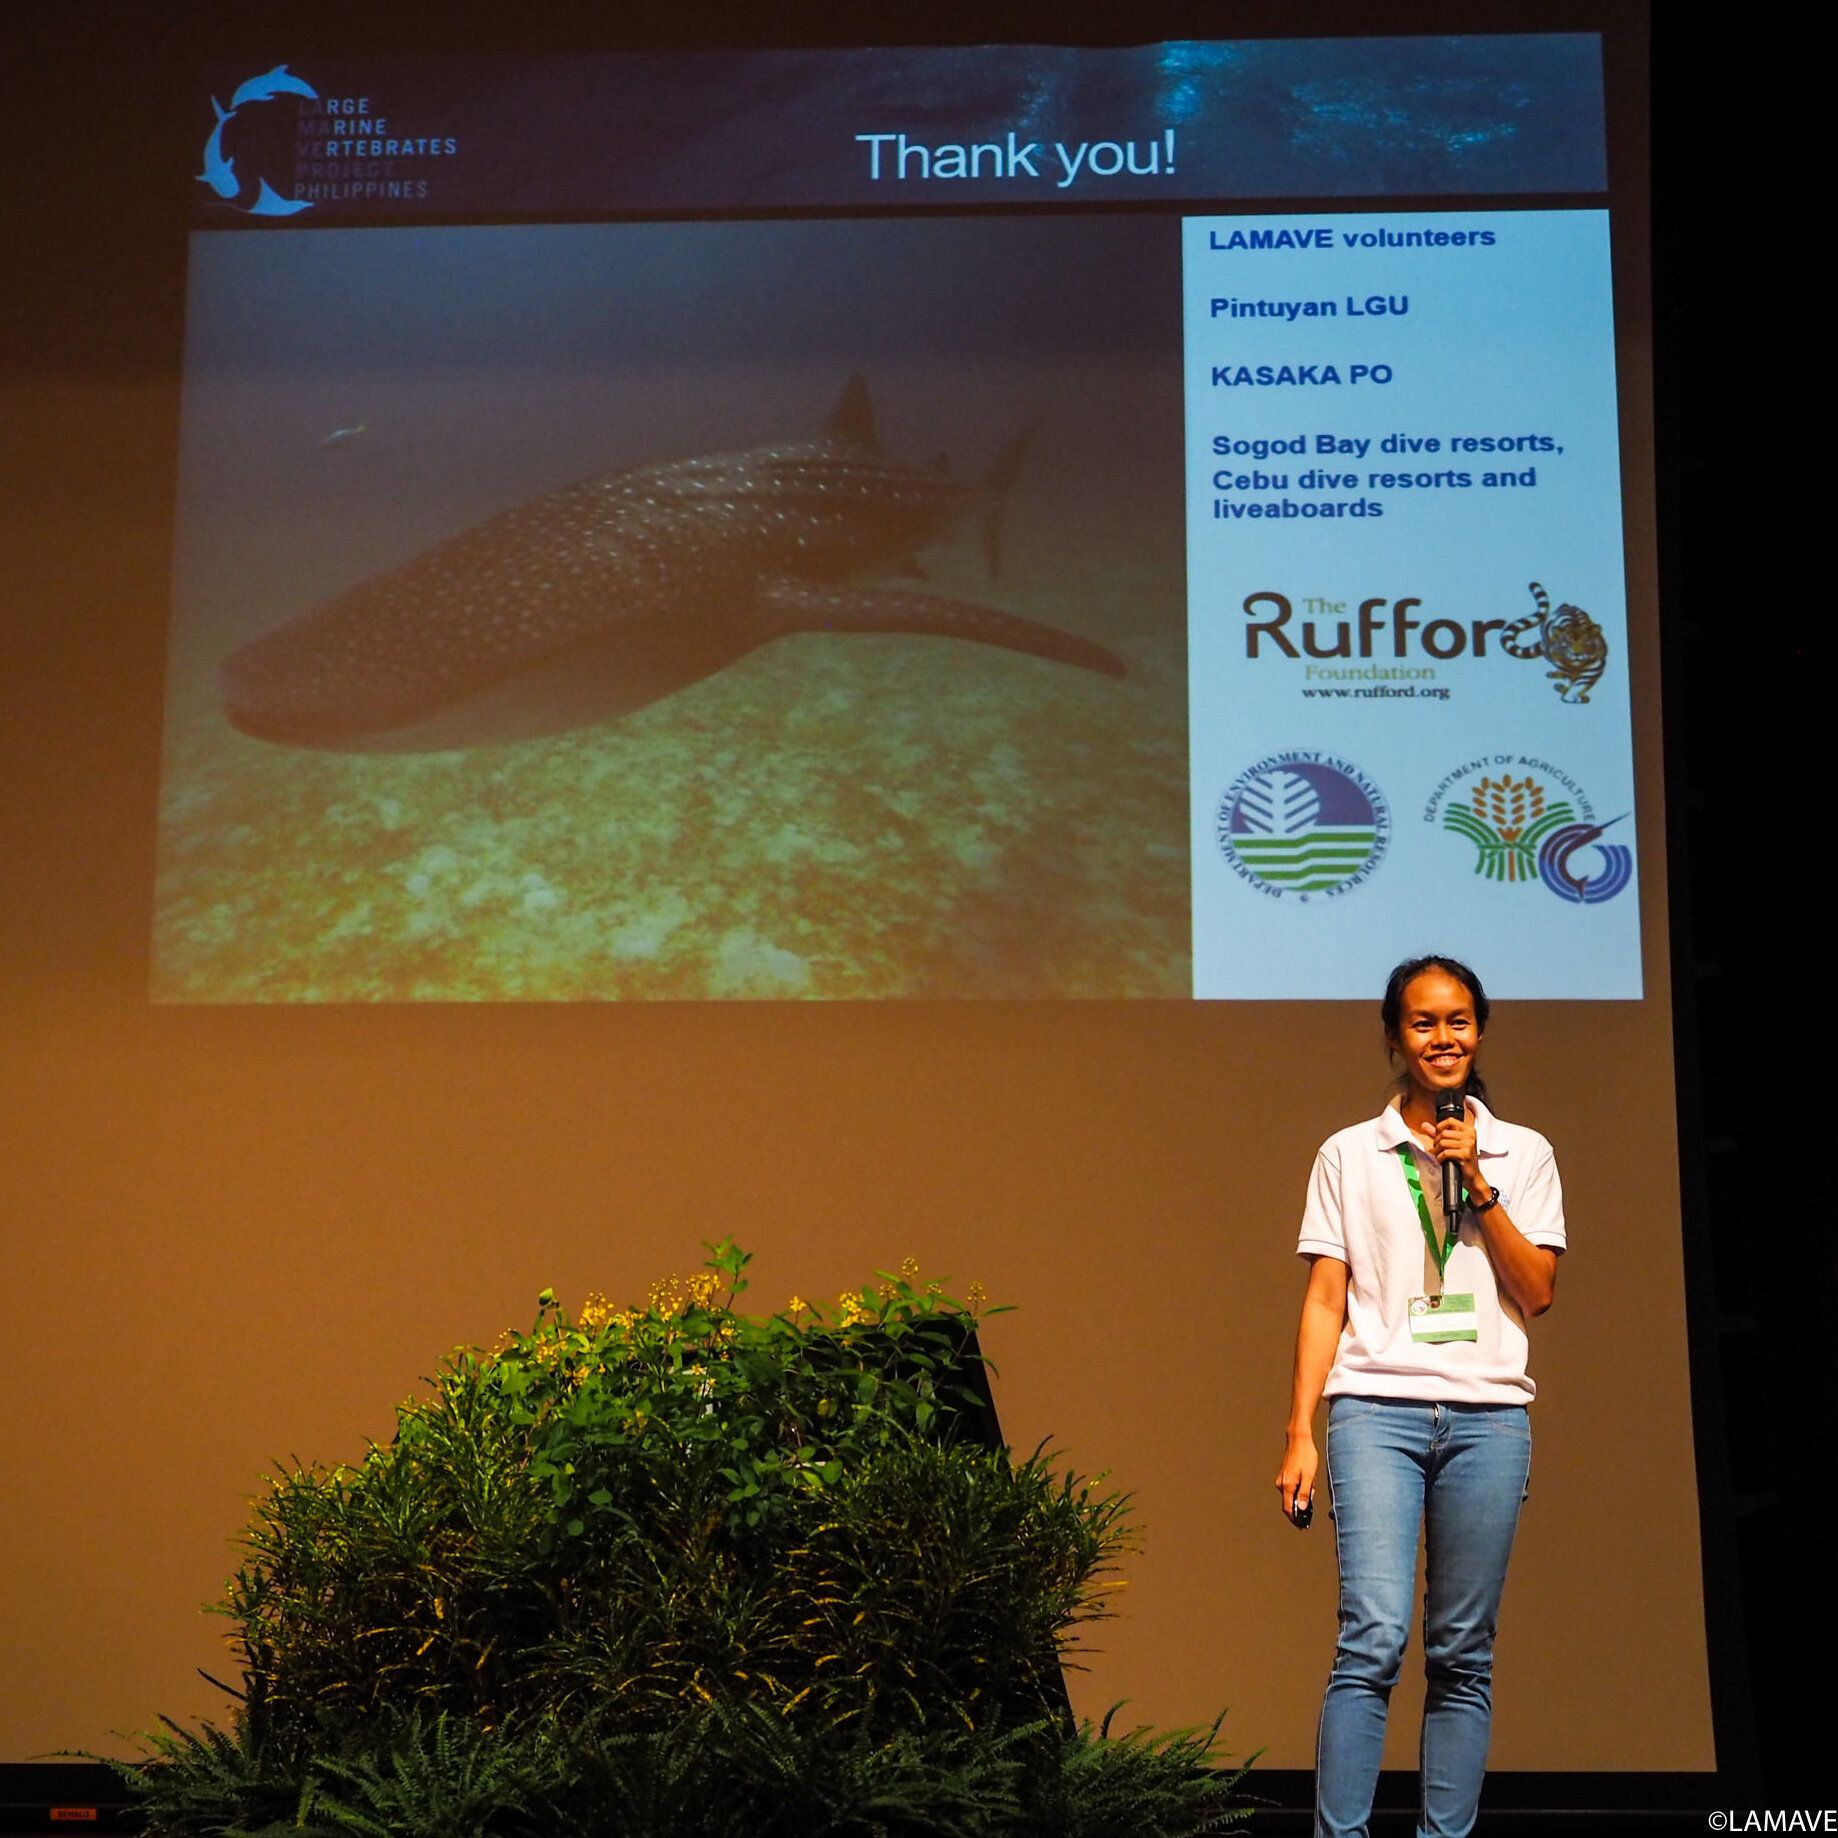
(1450, 1104)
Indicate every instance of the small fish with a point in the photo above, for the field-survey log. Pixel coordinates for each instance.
(219, 173)
(273, 82)
(341, 437)
(622, 589)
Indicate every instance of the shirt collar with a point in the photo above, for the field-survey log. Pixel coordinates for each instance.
(1393, 1132)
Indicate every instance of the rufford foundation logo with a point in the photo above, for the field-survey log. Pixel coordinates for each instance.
(1568, 640)
(250, 191)
(1369, 641)
(1303, 824)
(1532, 825)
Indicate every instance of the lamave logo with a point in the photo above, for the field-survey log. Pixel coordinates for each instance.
(282, 146)
(220, 172)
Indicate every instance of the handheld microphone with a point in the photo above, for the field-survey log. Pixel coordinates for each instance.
(1451, 1104)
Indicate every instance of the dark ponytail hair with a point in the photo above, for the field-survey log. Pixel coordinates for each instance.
(1391, 1010)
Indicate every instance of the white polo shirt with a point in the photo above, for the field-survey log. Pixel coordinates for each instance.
(1360, 1210)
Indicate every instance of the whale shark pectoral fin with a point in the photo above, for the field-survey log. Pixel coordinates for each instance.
(852, 419)
(787, 606)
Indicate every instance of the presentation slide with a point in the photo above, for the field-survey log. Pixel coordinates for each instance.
(566, 603)
(1407, 620)
(1053, 601)
(680, 610)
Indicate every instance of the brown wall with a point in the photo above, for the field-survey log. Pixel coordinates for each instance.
(236, 1235)
(228, 1235)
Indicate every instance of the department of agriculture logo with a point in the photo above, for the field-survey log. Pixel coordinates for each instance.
(1302, 824)
(1561, 864)
(1526, 831)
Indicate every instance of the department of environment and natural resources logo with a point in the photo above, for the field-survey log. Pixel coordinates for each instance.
(1301, 824)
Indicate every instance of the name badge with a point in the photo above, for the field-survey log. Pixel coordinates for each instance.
(1437, 1318)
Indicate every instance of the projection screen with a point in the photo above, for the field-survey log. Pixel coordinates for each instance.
(670, 551)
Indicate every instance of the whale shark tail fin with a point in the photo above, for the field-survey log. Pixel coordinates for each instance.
(852, 419)
(996, 487)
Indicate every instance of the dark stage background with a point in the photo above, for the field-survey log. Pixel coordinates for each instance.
(222, 1240)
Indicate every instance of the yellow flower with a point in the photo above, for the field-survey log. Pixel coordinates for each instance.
(850, 1310)
(797, 1306)
(909, 1269)
(977, 1296)
(596, 1311)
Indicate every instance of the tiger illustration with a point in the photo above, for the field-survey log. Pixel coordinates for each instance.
(1568, 639)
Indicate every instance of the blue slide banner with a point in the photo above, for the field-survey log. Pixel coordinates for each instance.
(1408, 664)
(309, 141)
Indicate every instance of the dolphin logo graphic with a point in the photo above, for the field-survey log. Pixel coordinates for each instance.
(219, 173)
(610, 593)
(275, 82)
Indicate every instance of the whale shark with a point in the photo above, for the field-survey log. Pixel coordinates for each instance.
(591, 601)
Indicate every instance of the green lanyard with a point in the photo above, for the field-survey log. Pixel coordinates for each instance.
(1441, 1253)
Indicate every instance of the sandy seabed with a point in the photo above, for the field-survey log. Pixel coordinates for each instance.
(834, 816)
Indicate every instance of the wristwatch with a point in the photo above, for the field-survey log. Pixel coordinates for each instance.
(1484, 1206)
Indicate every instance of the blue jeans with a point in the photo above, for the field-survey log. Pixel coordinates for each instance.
(1395, 1465)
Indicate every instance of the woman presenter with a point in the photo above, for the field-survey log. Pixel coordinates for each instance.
(1413, 1328)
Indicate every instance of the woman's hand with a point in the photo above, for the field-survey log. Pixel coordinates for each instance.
(1454, 1140)
(1526, 1272)
(1295, 1481)
(1324, 1314)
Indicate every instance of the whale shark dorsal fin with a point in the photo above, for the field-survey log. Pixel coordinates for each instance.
(852, 419)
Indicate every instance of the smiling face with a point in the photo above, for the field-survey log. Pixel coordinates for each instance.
(1437, 1034)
